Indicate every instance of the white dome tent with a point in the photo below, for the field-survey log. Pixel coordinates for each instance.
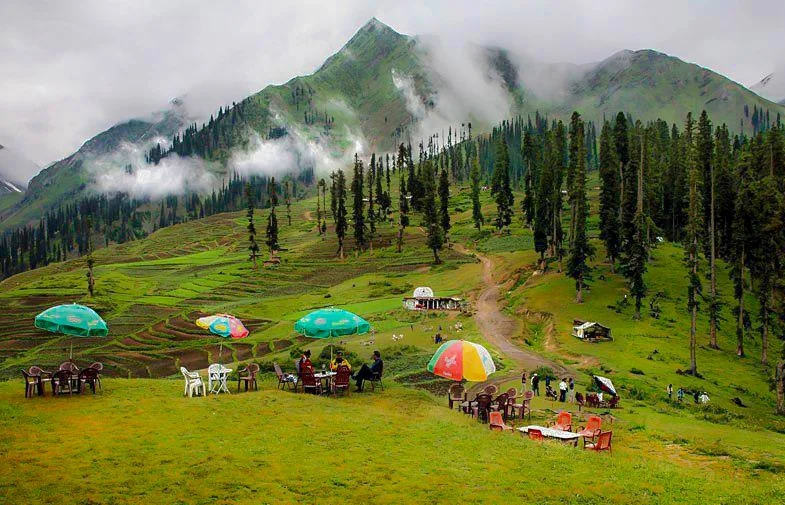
(423, 292)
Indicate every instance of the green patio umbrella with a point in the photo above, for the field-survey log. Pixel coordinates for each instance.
(72, 319)
(331, 322)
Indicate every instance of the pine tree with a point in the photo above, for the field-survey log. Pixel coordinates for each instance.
(271, 233)
(621, 142)
(319, 206)
(435, 234)
(580, 249)
(444, 204)
(558, 162)
(543, 215)
(500, 186)
(610, 189)
(334, 195)
(529, 158)
(341, 225)
(637, 254)
(90, 260)
(371, 202)
(403, 198)
(474, 176)
(705, 155)
(253, 247)
(358, 218)
(693, 231)
(288, 200)
(742, 242)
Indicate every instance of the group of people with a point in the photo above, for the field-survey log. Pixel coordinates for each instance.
(365, 372)
(698, 396)
(566, 387)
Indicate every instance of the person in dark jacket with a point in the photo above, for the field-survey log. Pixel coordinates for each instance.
(368, 372)
(536, 384)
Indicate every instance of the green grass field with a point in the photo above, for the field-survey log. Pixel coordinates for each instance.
(142, 442)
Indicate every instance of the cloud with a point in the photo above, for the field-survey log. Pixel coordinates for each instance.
(126, 171)
(292, 153)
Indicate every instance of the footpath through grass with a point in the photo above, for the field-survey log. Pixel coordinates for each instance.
(142, 442)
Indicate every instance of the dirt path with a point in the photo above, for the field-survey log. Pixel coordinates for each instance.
(499, 329)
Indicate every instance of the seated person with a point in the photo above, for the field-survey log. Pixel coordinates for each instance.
(367, 372)
(339, 361)
(305, 362)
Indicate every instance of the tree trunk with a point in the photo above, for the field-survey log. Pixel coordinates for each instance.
(621, 193)
(613, 264)
(693, 324)
(740, 320)
(400, 238)
(713, 315)
(780, 383)
(579, 296)
(764, 334)
(436, 258)
(340, 250)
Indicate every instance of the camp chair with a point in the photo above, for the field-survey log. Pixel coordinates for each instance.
(535, 434)
(563, 422)
(376, 378)
(250, 379)
(285, 380)
(61, 382)
(88, 376)
(193, 383)
(456, 394)
(482, 407)
(497, 422)
(70, 366)
(500, 404)
(341, 379)
(309, 383)
(551, 393)
(603, 443)
(592, 428)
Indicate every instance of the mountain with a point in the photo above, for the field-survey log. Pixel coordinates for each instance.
(383, 87)
(772, 87)
(13, 170)
(65, 180)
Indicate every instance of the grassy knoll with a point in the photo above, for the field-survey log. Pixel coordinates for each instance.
(141, 442)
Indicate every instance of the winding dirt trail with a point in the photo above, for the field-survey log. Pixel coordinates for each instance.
(499, 329)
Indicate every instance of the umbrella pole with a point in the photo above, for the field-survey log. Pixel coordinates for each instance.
(71, 354)
(220, 350)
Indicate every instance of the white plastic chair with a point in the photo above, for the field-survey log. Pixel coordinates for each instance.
(193, 383)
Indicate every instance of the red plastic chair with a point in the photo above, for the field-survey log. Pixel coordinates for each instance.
(603, 443)
(563, 422)
(341, 380)
(592, 428)
(309, 383)
(535, 434)
(497, 422)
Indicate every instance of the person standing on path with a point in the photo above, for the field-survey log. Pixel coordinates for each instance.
(523, 382)
(670, 392)
(536, 384)
(563, 390)
(571, 385)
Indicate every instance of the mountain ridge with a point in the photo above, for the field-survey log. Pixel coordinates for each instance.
(383, 87)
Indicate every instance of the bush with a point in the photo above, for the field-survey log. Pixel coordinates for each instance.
(636, 371)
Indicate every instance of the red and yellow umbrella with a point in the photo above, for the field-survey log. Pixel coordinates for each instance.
(459, 359)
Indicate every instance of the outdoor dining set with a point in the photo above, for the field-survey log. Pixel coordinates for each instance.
(511, 406)
(218, 379)
(68, 379)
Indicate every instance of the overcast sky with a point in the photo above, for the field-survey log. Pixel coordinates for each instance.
(69, 70)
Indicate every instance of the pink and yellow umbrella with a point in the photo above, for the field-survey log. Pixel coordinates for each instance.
(224, 325)
(459, 359)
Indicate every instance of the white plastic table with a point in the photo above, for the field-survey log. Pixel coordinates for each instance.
(217, 376)
(564, 436)
(328, 376)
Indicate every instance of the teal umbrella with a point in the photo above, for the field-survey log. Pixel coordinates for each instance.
(326, 323)
(73, 319)
(331, 322)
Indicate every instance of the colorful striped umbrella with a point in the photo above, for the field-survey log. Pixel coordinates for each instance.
(224, 325)
(459, 359)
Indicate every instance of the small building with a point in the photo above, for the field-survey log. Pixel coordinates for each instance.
(424, 299)
(590, 331)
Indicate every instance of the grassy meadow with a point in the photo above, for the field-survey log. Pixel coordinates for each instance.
(142, 442)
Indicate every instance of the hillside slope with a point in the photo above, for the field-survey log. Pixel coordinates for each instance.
(772, 86)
